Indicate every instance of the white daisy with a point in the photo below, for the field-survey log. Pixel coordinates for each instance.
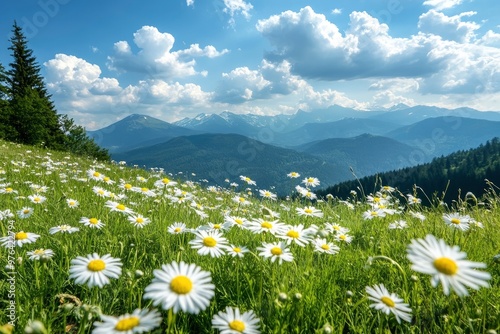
(138, 221)
(118, 207)
(388, 303)
(72, 203)
(209, 242)
(456, 220)
(19, 239)
(398, 225)
(446, 265)
(164, 182)
(309, 211)
(63, 229)
(95, 270)
(40, 254)
(177, 228)
(323, 246)
(92, 222)
(236, 251)
(276, 251)
(267, 194)
(37, 199)
(296, 234)
(343, 237)
(236, 221)
(248, 180)
(293, 175)
(94, 175)
(262, 226)
(25, 212)
(181, 286)
(233, 322)
(311, 182)
(140, 321)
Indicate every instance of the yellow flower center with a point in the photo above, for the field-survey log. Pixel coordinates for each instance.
(93, 221)
(247, 179)
(237, 325)
(209, 242)
(237, 250)
(276, 251)
(40, 251)
(127, 186)
(144, 189)
(374, 213)
(292, 234)
(238, 221)
(217, 226)
(9, 190)
(376, 199)
(342, 237)
(181, 285)
(71, 203)
(177, 229)
(21, 235)
(325, 247)
(267, 225)
(455, 221)
(121, 207)
(446, 266)
(165, 180)
(100, 192)
(309, 211)
(127, 324)
(336, 228)
(387, 301)
(242, 199)
(26, 211)
(106, 179)
(139, 220)
(96, 174)
(310, 180)
(96, 265)
(37, 199)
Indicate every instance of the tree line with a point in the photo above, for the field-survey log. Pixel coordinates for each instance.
(445, 178)
(27, 113)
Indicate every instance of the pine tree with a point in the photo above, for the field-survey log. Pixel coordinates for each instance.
(33, 115)
(5, 128)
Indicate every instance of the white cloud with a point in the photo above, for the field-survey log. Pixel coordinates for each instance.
(442, 4)
(190, 2)
(448, 27)
(233, 7)
(156, 58)
(336, 11)
(325, 98)
(79, 91)
(243, 84)
(318, 50)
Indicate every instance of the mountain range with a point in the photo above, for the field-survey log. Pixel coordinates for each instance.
(332, 144)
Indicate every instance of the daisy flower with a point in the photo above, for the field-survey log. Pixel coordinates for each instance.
(276, 251)
(19, 239)
(118, 207)
(323, 246)
(309, 211)
(388, 303)
(417, 215)
(63, 229)
(8, 190)
(94, 175)
(140, 321)
(343, 237)
(241, 200)
(107, 180)
(457, 221)
(138, 220)
(37, 199)
(100, 191)
(72, 203)
(25, 212)
(293, 175)
(248, 180)
(311, 182)
(216, 227)
(373, 213)
(233, 322)
(40, 254)
(398, 225)
(165, 182)
(236, 251)
(95, 270)
(6, 214)
(336, 228)
(296, 234)
(236, 221)
(147, 192)
(447, 265)
(261, 226)
(181, 287)
(412, 200)
(209, 242)
(177, 228)
(267, 194)
(92, 222)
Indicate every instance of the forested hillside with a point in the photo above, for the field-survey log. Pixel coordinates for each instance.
(444, 178)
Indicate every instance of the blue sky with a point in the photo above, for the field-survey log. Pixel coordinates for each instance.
(170, 59)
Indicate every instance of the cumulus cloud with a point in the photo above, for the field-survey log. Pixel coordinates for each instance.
(448, 27)
(155, 57)
(234, 7)
(442, 4)
(79, 90)
(316, 49)
(190, 2)
(243, 84)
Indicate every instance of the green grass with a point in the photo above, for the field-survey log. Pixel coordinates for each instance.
(316, 293)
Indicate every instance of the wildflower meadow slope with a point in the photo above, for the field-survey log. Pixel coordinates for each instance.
(89, 247)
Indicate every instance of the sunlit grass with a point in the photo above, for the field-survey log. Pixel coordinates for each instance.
(314, 293)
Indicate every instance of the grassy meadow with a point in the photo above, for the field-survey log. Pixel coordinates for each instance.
(307, 267)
